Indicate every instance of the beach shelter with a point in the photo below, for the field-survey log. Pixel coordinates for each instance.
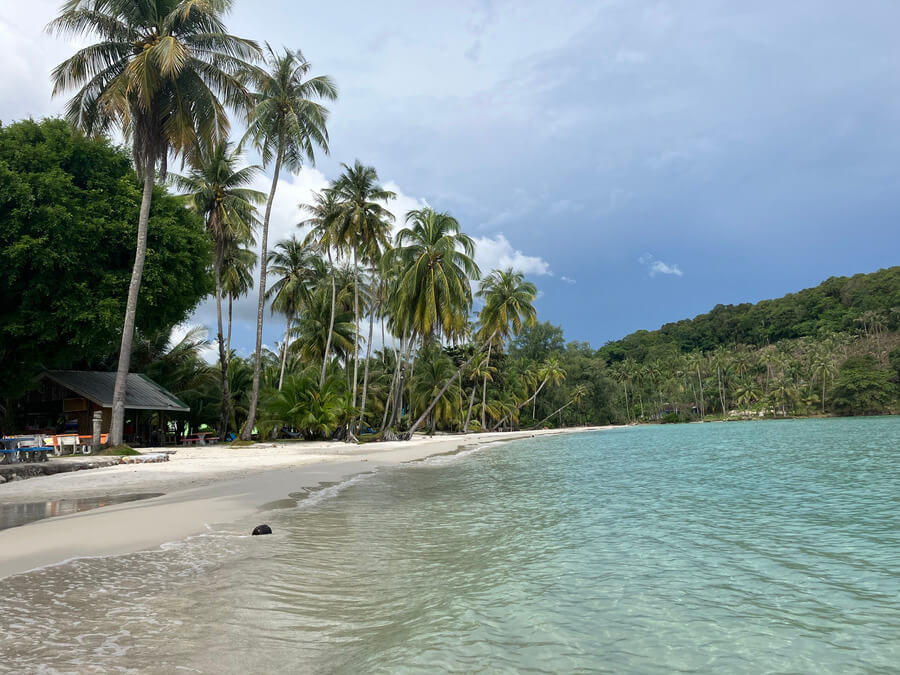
(69, 398)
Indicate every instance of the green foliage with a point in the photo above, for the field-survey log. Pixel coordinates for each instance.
(302, 405)
(536, 342)
(840, 304)
(69, 209)
(862, 388)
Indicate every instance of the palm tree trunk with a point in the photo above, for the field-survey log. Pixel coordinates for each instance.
(284, 348)
(446, 386)
(257, 360)
(555, 412)
(331, 323)
(469, 412)
(223, 360)
(355, 325)
(625, 388)
(362, 403)
(700, 382)
(391, 395)
(487, 365)
(721, 389)
(117, 421)
(228, 337)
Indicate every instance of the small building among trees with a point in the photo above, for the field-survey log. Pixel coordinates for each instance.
(65, 400)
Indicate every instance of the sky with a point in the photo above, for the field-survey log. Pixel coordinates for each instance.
(640, 161)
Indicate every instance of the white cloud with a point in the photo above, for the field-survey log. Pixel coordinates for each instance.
(567, 280)
(655, 267)
(497, 253)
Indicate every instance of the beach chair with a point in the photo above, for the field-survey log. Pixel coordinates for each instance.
(64, 441)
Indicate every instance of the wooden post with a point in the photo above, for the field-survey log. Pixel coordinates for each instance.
(97, 422)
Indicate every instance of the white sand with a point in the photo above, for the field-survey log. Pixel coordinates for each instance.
(202, 486)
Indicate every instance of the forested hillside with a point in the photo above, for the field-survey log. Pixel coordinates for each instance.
(867, 303)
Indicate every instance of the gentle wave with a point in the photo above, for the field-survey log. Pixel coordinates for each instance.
(707, 548)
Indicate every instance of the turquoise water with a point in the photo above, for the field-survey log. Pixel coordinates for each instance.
(745, 547)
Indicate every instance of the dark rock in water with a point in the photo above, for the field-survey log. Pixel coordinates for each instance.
(262, 529)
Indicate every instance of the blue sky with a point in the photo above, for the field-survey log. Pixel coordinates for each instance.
(641, 161)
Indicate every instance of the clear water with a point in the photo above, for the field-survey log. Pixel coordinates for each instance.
(738, 548)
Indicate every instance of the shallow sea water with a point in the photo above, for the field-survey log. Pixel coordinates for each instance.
(745, 547)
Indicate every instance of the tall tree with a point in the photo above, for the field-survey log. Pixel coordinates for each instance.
(364, 226)
(434, 292)
(286, 123)
(324, 235)
(237, 279)
(217, 189)
(163, 72)
(508, 309)
(298, 270)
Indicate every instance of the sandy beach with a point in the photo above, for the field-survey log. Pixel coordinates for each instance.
(201, 486)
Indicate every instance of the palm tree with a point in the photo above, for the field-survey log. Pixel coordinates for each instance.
(237, 279)
(286, 123)
(162, 72)
(324, 236)
(434, 292)
(433, 369)
(550, 372)
(436, 263)
(298, 270)
(508, 306)
(380, 288)
(364, 225)
(578, 394)
(479, 369)
(695, 360)
(217, 191)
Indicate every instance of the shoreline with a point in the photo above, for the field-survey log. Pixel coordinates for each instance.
(201, 486)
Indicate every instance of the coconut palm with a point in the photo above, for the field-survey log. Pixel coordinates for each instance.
(163, 72)
(508, 308)
(363, 225)
(286, 123)
(436, 260)
(237, 279)
(433, 369)
(479, 369)
(434, 292)
(217, 190)
(551, 372)
(324, 235)
(578, 394)
(298, 270)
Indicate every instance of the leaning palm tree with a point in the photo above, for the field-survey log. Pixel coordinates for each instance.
(578, 394)
(363, 225)
(286, 123)
(298, 270)
(508, 307)
(217, 190)
(550, 372)
(163, 72)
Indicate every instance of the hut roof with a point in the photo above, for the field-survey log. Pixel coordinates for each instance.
(141, 393)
